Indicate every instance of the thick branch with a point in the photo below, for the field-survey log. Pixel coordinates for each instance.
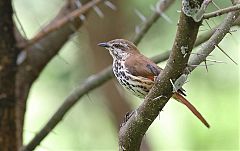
(68, 18)
(39, 54)
(131, 134)
(103, 76)
(107, 72)
(8, 67)
(89, 84)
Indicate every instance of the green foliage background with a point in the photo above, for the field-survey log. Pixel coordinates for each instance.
(89, 125)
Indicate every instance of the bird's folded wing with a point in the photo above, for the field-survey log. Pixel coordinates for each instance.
(140, 65)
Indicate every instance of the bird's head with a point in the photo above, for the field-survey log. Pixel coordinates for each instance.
(119, 48)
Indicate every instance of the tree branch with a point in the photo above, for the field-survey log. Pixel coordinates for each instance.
(57, 24)
(8, 53)
(206, 35)
(39, 54)
(131, 134)
(106, 73)
(221, 11)
(161, 7)
(214, 40)
(91, 83)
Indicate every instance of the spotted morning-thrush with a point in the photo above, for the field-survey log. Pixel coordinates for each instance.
(136, 73)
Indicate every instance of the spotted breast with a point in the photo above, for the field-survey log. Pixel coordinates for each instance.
(137, 85)
(136, 73)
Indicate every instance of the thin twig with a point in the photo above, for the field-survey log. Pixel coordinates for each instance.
(106, 73)
(40, 53)
(77, 93)
(221, 11)
(131, 134)
(215, 61)
(206, 35)
(93, 82)
(214, 40)
(226, 54)
(89, 84)
(163, 5)
(61, 22)
(19, 22)
(216, 5)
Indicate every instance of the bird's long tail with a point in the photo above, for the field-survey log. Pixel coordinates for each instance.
(183, 100)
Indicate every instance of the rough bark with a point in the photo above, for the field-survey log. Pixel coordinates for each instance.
(131, 134)
(8, 55)
(38, 55)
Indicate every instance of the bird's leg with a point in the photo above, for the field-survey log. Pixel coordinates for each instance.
(127, 117)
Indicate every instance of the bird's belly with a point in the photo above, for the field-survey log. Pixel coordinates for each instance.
(139, 86)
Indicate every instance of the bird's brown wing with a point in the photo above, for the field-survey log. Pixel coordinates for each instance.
(139, 65)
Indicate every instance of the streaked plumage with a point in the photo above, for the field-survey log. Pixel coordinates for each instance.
(136, 73)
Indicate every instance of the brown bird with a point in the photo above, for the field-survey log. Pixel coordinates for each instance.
(136, 73)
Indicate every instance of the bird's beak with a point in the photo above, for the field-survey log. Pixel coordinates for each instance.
(104, 44)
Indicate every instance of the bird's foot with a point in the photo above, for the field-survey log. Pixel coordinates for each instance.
(126, 118)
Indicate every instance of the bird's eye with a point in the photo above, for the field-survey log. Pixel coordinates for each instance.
(117, 46)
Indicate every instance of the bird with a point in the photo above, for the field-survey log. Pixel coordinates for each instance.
(137, 73)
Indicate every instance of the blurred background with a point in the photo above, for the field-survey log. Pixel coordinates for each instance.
(93, 123)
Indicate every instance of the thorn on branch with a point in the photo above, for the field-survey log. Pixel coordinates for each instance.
(137, 29)
(160, 12)
(110, 5)
(140, 15)
(226, 54)
(98, 11)
(122, 148)
(199, 65)
(20, 24)
(61, 22)
(205, 63)
(221, 11)
(163, 5)
(180, 82)
(199, 54)
(174, 88)
(127, 117)
(184, 51)
(232, 31)
(215, 61)
(161, 96)
(64, 60)
(214, 4)
(79, 4)
(199, 15)
(21, 57)
(208, 24)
